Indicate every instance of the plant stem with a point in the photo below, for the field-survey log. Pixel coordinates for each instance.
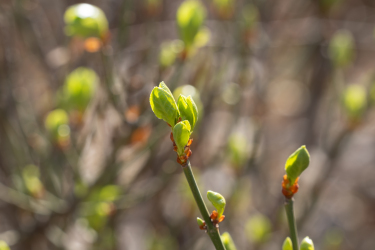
(292, 222)
(212, 231)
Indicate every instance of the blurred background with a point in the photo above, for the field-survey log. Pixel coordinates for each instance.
(85, 164)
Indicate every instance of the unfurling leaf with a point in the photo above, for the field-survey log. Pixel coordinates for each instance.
(190, 17)
(297, 163)
(218, 201)
(163, 104)
(287, 245)
(85, 20)
(56, 123)
(79, 88)
(181, 135)
(355, 101)
(307, 244)
(228, 241)
(188, 110)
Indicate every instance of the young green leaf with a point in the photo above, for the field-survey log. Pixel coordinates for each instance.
(188, 110)
(228, 241)
(190, 17)
(297, 163)
(163, 104)
(288, 245)
(79, 88)
(218, 201)
(56, 123)
(181, 135)
(354, 99)
(307, 244)
(85, 20)
(200, 222)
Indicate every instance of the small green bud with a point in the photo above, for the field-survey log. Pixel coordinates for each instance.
(163, 104)
(200, 222)
(228, 241)
(218, 201)
(79, 88)
(4, 245)
(341, 48)
(85, 20)
(188, 110)
(297, 163)
(288, 245)
(187, 90)
(181, 135)
(56, 123)
(307, 244)
(355, 101)
(190, 17)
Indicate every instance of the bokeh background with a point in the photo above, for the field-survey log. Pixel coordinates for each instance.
(99, 172)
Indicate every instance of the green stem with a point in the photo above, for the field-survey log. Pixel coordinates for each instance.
(292, 222)
(212, 231)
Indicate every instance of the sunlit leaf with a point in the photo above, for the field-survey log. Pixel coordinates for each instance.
(355, 100)
(190, 17)
(163, 104)
(79, 88)
(307, 244)
(218, 201)
(297, 163)
(188, 110)
(287, 245)
(85, 20)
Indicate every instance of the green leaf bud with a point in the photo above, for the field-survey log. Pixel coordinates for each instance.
(181, 135)
(288, 245)
(228, 241)
(187, 90)
(341, 48)
(218, 201)
(4, 245)
(297, 163)
(355, 100)
(79, 88)
(188, 110)
(307, 244)
(56, 123)
(85, 20)
(164, 105)
(190, 17)
(200, 222)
